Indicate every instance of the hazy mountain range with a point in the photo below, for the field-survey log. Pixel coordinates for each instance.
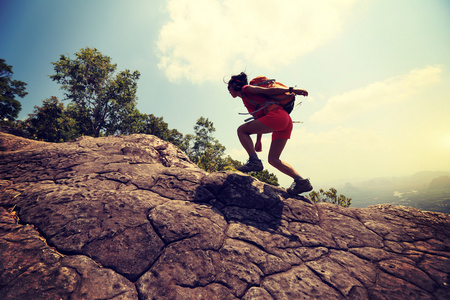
(425, 190)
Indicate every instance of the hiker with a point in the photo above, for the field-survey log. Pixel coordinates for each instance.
(276, 121)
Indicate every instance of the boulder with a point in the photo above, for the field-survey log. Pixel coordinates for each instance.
(131, 217)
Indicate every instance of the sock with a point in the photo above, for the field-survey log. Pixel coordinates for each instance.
(254, 156)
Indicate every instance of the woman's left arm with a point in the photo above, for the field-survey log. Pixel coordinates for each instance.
(274, 90)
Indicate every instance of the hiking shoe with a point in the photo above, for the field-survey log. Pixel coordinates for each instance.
(252, 165)
(300, 186)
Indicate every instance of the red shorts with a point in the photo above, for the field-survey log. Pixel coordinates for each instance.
(280, 121)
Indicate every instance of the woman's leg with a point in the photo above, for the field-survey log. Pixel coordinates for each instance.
(276, 147)
(245, 130)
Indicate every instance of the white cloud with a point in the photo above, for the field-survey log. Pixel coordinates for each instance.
(206, 39)
(378, 94)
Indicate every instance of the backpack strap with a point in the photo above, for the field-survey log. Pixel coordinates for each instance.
(264, 82)
(258, 109)
(253, 113)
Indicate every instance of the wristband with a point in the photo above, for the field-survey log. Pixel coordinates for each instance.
(291, 89)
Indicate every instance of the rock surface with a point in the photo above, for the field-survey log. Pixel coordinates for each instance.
(131, 217)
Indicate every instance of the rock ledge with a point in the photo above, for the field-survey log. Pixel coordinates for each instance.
(130, 217)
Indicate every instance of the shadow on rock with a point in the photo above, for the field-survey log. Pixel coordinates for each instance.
(243, 199)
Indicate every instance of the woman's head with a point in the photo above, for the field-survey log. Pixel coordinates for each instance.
(237, 82)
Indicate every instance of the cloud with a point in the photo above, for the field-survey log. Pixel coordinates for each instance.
(378, 94)
(204, 39)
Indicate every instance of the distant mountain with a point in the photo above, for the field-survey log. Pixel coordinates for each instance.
(416, 181)
(442, 182)
(425, 190)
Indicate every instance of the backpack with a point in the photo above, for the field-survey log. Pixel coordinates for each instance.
(286, 100)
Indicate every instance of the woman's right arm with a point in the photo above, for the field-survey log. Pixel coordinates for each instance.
(258, 144)
(273, 90)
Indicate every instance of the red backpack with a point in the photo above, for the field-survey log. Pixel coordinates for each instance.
(286, 100)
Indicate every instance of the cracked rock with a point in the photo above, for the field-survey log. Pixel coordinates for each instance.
(130, 217)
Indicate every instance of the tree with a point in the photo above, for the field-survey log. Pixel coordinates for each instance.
(137, 122)
(330, 197)
(9, 90)
(51, 122)
(101, 101)
(204, 149)
(266, 177)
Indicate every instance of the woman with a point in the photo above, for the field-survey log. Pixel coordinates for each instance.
(276, 121)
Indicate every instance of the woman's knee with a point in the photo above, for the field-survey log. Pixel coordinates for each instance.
(243, 129)
(275, 162)
(253, 127)
(240, 130)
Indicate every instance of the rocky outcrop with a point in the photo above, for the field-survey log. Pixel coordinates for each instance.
(131, 217)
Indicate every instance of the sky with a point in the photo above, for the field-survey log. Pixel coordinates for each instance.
(377, 71)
